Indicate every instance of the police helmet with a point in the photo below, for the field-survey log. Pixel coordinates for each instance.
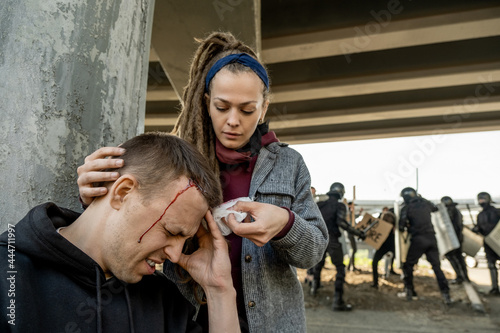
(408, 193)
(337, 190)
(447, 201)
(484, 198)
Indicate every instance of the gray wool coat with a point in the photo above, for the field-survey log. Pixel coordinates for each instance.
(273, 294)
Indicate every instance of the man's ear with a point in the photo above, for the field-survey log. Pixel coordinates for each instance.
(121, 190)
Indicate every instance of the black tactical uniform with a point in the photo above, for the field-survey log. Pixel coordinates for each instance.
(455, 257)
(416, 216)
(486, 222)
(334, 214)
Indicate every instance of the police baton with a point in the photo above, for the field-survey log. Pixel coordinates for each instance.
(371, 225)
(470, 214)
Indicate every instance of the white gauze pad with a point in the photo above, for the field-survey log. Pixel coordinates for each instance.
(222, 211)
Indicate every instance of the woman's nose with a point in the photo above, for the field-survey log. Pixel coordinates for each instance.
(233, 118)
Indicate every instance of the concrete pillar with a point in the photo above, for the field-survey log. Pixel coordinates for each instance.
(73, 78)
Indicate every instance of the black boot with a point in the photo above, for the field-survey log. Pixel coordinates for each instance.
(375, 278)
(458, 271)
(308, 279)
(446, 297)
(339, 304)
(463, 269)
(494, 292)
(409, 293)
(314, 287)
(494, 282)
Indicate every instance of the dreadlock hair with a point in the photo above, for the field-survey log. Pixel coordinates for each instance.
(194, 124)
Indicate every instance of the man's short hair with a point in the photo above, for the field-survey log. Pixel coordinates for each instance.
(157, 159)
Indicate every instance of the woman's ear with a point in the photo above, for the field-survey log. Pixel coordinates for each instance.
(264, 109)
(121, 190)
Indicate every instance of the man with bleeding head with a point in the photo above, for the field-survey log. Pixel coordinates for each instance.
(95, 271)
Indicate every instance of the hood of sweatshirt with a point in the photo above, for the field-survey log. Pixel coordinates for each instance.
(72, 287)
(41, 242)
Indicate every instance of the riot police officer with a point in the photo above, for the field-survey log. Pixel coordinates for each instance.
(334, 214)
(416, 217)
(455, 257)
(487, 220)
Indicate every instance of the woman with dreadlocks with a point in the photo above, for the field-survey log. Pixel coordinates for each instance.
(223, 110)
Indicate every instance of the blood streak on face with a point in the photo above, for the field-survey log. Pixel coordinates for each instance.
(190, 184)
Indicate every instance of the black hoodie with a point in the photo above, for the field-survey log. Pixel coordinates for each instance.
(49, 285)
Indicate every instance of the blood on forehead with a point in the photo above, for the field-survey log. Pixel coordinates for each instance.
(191, 183)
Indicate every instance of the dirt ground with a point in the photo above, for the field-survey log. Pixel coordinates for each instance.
(384, 303)
(361, 295)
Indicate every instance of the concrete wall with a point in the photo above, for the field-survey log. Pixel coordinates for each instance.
(73, 78)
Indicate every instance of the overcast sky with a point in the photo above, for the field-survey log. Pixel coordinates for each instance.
(457, 165)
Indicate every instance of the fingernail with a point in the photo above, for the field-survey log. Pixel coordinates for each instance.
(119, 162)
(115, 175)
(122, 151)
(102, 190)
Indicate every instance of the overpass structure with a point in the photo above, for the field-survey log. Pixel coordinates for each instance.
(343, 70)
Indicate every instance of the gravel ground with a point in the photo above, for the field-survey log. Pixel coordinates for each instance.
(381, 310)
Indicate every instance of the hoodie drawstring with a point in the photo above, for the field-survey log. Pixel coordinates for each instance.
(99, 303)
(129, 307)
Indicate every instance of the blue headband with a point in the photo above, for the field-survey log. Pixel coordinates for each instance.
(241, 58)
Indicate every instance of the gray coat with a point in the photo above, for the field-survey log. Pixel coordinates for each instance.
(270, 283)
(273, 294)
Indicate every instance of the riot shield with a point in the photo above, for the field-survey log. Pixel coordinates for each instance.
(493, 239)
(472, 242)
(446, 237)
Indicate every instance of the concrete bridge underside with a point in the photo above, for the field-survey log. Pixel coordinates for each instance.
(342, 70)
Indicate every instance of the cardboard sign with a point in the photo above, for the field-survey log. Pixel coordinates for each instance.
(378, 233)
(403, 244)
(402, 239)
